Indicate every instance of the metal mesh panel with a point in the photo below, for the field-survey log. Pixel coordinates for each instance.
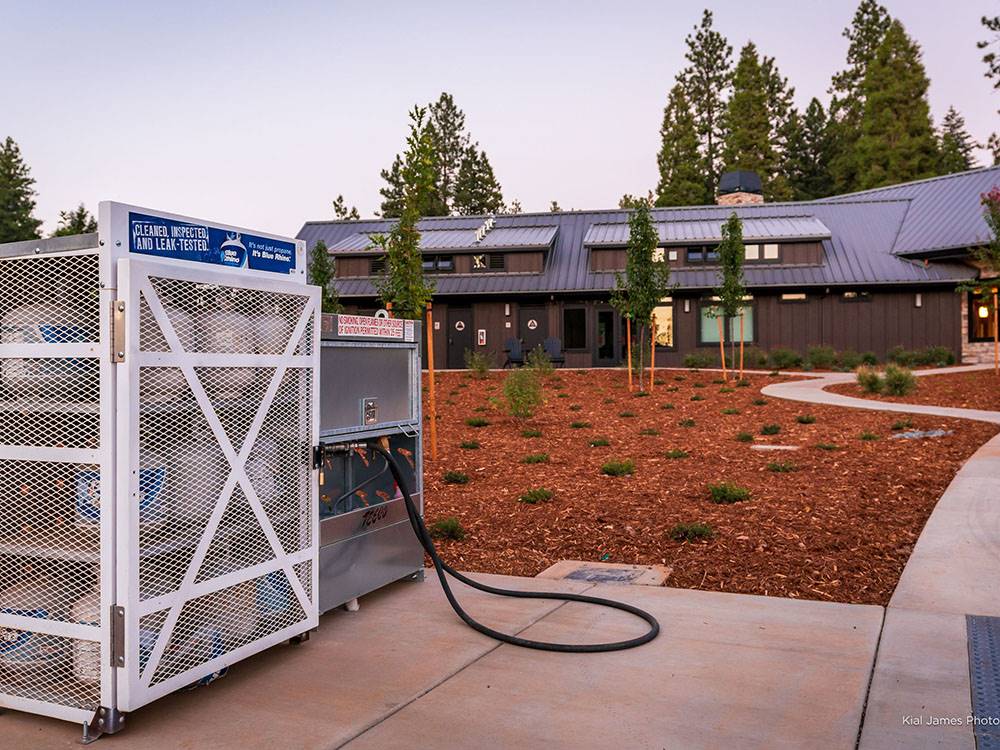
(50, 509)
(215, 624)
(227, 319)
(304, 571)
(238, 543)
(49, 300)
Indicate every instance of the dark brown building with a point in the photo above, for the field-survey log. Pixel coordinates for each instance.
(866, 271)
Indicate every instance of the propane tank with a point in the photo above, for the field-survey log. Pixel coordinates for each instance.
(274, 598)
(262, 470)
(23, 652)
(87, 654)
(221, 329)
(237, 616)
(273, 331)
(161, 384)
(152, 478)
(40, 324)
(197, 468)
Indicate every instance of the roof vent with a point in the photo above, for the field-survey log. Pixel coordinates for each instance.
(484, 229)
(739, 186)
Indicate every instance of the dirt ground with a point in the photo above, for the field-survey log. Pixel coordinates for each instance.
(979, 389)
(835, 525)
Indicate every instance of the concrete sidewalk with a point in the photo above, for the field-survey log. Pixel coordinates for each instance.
(728, 670)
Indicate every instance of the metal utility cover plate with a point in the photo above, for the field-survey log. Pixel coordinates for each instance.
(984, 677)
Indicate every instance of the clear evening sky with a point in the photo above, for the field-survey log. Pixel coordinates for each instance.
(260, 113)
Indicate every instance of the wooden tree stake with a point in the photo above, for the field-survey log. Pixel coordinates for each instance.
(628, 348)
(431, 397)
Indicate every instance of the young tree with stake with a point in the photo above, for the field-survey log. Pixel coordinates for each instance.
(731, 292)
(646, 281)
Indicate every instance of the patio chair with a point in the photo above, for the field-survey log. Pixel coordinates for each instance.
(553, 348)
(515, 354)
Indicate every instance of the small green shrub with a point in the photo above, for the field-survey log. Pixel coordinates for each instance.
(465, 385)
(686, 423)
(479, 409)
(671, 389)
(575, 407)
(821, 357)
(689, 532)
(781, 467)
(938, 355)
(726, 493)
(539, 361)
(696, 397)
(579, 425)
(805, 419)
(869, 380)
(697, 360)
(770, 429)
(536, 495)
(609, 400)
(869, 359)
(699, 385)
(679, 378)
(562, 395)
(599, 442)
(783, 359)
(898, 381)
(730, 411)
(727, 390)
(650, 431)
(523, 392)
(676, 453)
(531, 433)
(717, 381)
(618, 468)
(666, 406)
(759, 402)
(932, 355)
(640, 394)
(827, 447)
(744, 437)
(743, 383)
(754, 357)
(448, 528)
(536, 458)
(626, 414)
(477, 422)
(469, 445)
(868, 436)
(849, 359)
(455, 477)
(478, 363)
(902, 424)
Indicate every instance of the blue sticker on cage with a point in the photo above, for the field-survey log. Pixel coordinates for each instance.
(88, 495)
(273, 593)
(21, 645)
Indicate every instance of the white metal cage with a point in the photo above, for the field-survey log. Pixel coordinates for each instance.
(158, 513)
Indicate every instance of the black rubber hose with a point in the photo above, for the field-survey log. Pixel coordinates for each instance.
(442, 567)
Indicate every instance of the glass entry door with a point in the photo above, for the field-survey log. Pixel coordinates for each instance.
(605, 351)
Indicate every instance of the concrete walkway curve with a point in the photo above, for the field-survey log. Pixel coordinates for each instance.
(922, 670)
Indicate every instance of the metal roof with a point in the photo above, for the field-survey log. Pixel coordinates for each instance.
(805, 227)
(945, 213)
(867, 233)
(508, 238)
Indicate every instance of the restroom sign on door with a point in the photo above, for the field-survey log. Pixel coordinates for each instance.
(481, 336)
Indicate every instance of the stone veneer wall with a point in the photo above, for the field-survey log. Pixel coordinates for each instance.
(736, 199)
(979, 352)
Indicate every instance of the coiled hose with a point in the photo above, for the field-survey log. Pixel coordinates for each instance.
(442, 567)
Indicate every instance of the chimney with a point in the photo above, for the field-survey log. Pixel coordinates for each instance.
(738, 187)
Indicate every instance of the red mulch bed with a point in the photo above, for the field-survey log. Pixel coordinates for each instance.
(839, 527)
(979, 389)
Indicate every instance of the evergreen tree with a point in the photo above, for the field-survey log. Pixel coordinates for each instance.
(477, 191)
(403, 283)
(705, 79)
(320, 272)
(341, 211)
(514, 207)
(631, 201)
(897, 138)
(991, 58)
(955, 145)
(451, 144)
(807, 154)
(865, 35)
(757, 109)
(993, 146)
(17, 196)
(392, 193)
(554, 207)
(779, 110)
(77, 221)
(681, 180)
(646, 281)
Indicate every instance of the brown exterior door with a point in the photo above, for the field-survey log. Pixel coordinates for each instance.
(460, 336)
(533, 326)
(606, 340)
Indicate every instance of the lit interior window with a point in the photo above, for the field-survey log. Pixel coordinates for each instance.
(657, 254)
(664, 317)
(796, 297)
(770, 252)
(751, 252)
(672, 255)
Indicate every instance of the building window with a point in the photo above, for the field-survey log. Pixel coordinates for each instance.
(496, 261)
(794, 297)
(377, 266)
(672, 255)
(856, 297)
(575, 328)
(771, 252)
(705, 254)
(657, 254)
(751, 252)
(664, 317)
(438, 264)
(982, 318)
(708, 332)
(480, 262)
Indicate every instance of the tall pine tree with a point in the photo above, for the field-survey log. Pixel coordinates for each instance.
(682, 182)
(706, 78)
(77, 221)
(807, 154)
(477, 191)
(955, 145)
(897, 141)
(320, 272)
(451, 143)
(755, 119)
(17, 196)
(392, 191)
(343, 212)
(865, 34)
